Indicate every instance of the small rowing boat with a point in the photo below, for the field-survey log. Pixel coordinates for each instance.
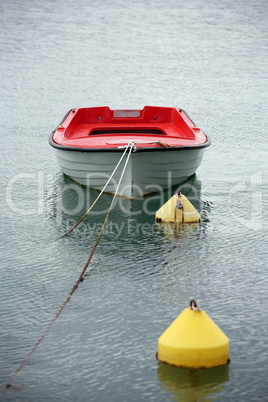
(168, 147)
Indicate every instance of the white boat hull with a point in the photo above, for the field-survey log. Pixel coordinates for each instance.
(146, 172)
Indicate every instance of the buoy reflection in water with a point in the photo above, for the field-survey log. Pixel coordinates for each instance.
(190, 384)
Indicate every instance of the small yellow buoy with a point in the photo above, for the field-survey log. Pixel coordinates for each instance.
(193, 340)
(167, 212)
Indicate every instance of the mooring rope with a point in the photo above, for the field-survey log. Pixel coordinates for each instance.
(83, 217)
(102, 191)
(9, 384)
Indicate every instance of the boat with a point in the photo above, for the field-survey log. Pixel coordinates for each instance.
(167, 148)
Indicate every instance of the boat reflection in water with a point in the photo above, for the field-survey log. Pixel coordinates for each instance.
(193, 384)
(68, 201)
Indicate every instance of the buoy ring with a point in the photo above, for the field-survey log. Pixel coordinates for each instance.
(194, 306)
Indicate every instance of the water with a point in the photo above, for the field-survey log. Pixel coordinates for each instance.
(210, 58)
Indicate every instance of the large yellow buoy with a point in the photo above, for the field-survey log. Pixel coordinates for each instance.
(193, 340)
(167, 212)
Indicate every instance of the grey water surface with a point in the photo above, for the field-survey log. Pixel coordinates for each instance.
(207, 57)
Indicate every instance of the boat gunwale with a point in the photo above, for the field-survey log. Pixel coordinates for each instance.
(116, 149)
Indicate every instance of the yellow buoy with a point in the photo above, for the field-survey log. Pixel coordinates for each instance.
(193, 340)
(167, 212)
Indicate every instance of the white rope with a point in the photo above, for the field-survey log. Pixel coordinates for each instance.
(131, 146)
(102, 191)
(115, 169)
